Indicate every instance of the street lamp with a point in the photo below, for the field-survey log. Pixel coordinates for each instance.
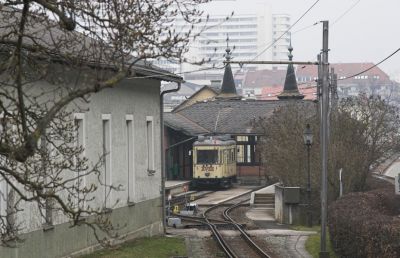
(308, 140)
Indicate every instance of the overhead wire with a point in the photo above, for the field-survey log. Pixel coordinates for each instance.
(309, 26)
(375, 65)
(290, 27)
(276, 40)
(345, 12)
(168, 74)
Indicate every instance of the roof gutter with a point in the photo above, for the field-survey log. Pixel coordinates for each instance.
(163, 174)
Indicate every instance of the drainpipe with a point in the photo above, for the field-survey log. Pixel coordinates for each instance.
(163, 174)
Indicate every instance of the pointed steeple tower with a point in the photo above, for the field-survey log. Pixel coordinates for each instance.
(290, 89)
(228, 88)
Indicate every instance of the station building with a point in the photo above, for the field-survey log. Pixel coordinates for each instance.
(123, 125)
(225, 112)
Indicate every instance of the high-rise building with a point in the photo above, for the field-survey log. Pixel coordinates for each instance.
(250, 30)
(280, 24)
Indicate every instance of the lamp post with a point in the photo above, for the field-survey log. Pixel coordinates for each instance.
(308, 140)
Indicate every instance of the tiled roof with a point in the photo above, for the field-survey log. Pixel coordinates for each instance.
(268, 78)
(271, 93)
(224, 116)
(345, 70)
(49, 40)
(182, 124)
(263, 78)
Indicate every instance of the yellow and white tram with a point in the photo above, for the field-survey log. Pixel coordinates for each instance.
(214, 161)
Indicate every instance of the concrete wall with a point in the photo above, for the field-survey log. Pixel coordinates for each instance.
(143, 219)
(203, 94)
(140, 99)
(285, 213)
(279, 204)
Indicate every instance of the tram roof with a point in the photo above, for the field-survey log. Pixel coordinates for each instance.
(214, 142)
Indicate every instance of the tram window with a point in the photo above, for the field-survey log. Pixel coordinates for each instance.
(207, 156)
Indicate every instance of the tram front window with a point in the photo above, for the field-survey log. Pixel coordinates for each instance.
(207, 156)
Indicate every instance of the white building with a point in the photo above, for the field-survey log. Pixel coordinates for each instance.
(251, 30)
(122, 123)
(280, 24)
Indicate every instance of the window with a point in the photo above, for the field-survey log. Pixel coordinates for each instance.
(207, 156)
(130, 157)
(6, 192)
(48, 205)
(3, 196)
(150, 145)
(80, 142)
(106, 145)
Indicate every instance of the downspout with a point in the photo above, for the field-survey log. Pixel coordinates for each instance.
(163, 174)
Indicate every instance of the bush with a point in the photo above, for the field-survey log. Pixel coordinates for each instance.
(366, 224)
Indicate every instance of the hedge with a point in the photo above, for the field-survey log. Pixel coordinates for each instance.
(366, 224)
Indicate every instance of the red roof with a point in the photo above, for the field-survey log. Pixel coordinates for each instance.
(262, 78)
(310, 72)
(271, 93)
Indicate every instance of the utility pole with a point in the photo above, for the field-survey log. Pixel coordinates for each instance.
(323, 98)
(319, 81)
(334, 94)
(324, 137)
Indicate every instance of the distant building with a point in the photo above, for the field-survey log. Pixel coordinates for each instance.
(265, 84)
(250, 32)
(374, 81)
(280, 24)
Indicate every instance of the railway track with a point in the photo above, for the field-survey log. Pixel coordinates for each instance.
(244, 234)
(223, 243)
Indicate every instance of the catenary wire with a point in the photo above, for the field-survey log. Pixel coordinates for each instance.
(375, 65)
(290, 27)
(345, 12)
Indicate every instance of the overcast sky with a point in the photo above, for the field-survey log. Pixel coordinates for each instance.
(367, 33)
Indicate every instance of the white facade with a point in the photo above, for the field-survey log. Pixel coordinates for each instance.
(251, 30)
(123, 122)
(280, 24)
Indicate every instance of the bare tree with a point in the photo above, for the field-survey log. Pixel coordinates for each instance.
(362, 130)
(73, 48)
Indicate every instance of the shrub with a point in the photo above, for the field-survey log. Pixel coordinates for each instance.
(366, 224)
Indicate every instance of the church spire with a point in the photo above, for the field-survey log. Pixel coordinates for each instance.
(290, 89)
(228, 88)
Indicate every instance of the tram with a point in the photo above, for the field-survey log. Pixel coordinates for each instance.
(214, 161)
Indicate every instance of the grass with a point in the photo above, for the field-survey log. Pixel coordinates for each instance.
(313, 241)
(153, 247)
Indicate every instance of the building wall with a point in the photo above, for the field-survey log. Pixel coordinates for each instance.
(280, 24)
(138, 102)
(141, 220)
(201, 95)
(251, 30)
(250, 171)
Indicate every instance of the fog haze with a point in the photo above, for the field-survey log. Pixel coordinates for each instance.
(367, 33)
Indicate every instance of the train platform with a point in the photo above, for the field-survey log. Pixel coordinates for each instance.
(221, 196)
(263, 212)
(175, 187)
